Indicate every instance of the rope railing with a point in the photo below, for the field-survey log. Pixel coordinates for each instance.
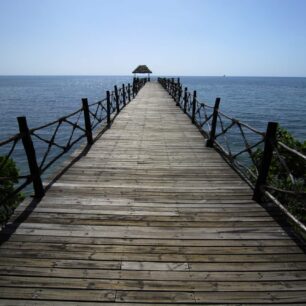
(98, 112)
(238, 142)
(259, 157)
(75, 132)
(35, 150)
(283, 158)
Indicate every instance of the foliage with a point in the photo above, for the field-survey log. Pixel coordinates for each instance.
(293, 180)
(8, 177)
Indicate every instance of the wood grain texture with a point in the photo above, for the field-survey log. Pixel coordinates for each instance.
(150, 216)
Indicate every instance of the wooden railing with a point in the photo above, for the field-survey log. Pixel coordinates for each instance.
(240, 144)
(44, 145)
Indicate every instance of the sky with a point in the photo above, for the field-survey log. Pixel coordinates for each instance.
(172, 37)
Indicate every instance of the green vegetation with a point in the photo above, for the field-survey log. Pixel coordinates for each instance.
(8, 177)
(279, 177)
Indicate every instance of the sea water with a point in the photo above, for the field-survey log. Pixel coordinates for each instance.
(43, 99)
(257, 100)
(254, 100)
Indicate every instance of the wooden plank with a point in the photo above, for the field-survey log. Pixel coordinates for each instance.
(152, 249)
(213, 266)
(150, 285)
(155, 271)
(60, 263)
(151, 241)
(164, 257)
(211, 297)
(57, 294)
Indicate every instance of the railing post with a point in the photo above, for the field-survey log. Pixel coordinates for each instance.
(179, 94)
(123, 94)
(185, 99)
(194, 103)
(108, 109)
(117, 98)
(270, 141)
(87, 121)
(174, 91)
(133, 89)
(210, 141)
(129, 92)
(39, 191)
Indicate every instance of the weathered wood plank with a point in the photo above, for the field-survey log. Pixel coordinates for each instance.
(150, 285)
(58, 294)
(152, 242)
(152, 249)
(164, 257)
(168, 271)
(211, 297)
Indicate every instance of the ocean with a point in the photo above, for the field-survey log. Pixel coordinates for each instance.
(257, 100)
(254, 100)
(45, 98)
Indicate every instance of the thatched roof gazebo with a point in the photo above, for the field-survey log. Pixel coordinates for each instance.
(142, 69)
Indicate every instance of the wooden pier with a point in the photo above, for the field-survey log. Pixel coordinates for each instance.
(150, 216)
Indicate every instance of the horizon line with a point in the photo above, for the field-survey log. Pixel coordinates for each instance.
(152, 75)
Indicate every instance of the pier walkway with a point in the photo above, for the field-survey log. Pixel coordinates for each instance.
(148, 216)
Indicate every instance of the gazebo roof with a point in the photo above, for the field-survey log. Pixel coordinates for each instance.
(142, 69)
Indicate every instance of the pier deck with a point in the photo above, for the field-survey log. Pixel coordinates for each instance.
(150, 215)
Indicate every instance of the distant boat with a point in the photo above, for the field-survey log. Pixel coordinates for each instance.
(224, 75)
